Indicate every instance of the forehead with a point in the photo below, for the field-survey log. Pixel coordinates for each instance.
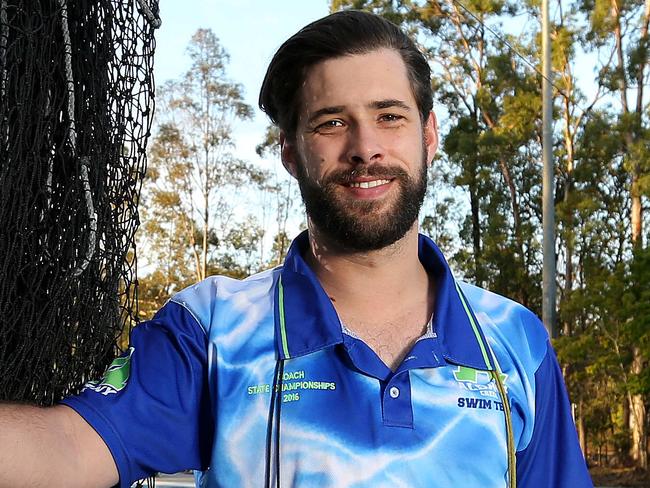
(356, 80)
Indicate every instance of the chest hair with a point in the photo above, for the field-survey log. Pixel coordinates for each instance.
(390, 340)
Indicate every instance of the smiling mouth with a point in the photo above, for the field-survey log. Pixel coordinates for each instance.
(368, 184)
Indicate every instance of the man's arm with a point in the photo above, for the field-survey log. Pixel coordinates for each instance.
(157, 417)
(553, 457)
(43, 447)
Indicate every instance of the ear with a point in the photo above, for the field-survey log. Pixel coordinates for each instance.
(288, 154)
(430, 132)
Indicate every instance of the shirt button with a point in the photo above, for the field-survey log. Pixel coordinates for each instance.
(394, 392)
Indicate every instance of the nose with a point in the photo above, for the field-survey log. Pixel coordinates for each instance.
(364, 145)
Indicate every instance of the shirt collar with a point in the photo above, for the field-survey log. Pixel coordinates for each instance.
(309, 321)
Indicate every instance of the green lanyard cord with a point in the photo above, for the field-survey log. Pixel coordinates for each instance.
(510, 443)
(496, 374)
(273, 426)
(283, 327)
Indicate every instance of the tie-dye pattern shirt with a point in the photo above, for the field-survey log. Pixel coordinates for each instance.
(200, 388)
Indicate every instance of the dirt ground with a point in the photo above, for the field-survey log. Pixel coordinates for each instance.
(603, 476)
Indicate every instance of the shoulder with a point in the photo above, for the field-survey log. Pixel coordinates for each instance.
(502, 310)
(509, 325)
(219, 295)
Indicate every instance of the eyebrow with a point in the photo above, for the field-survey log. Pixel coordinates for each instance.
(377, 105)
(389, 103)
(325, 111)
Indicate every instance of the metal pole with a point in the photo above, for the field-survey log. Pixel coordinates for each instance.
(548, 211)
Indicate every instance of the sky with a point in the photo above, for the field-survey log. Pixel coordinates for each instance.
(249, 30)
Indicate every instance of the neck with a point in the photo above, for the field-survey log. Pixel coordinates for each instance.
(387, 276)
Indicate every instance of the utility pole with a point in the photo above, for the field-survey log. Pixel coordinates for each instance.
(548, 208)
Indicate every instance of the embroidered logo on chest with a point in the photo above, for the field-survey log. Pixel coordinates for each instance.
(480, 382)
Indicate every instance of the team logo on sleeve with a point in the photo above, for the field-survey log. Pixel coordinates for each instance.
(115, 377)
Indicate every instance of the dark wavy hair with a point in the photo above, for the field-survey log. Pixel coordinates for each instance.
(343, 33)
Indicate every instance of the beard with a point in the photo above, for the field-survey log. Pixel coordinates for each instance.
(363, 225)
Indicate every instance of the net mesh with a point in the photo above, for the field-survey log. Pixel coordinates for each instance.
(76, 91)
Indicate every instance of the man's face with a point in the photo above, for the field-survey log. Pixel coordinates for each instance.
(361, 151)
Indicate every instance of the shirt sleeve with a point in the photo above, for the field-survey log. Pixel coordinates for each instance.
(154, 415)
(553, 457)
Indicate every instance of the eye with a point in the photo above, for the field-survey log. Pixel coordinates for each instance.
(391, 118)
(329, 126)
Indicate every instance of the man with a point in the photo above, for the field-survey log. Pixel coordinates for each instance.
(359, 363)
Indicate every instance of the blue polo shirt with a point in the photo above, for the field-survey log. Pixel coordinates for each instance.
(252, 381)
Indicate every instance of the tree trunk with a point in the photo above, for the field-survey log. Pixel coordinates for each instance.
(516, 217)
(516, 213)
(189, 231)
(569, 144)
(582, 433)
(204, 250)
(476, 235)
(638, 418)
(206, 213)
(568, 266)
(626, 422)
(636, 211)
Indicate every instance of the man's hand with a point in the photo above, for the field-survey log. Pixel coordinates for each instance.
(51, 447)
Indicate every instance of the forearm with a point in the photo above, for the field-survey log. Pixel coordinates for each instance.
(51, 447)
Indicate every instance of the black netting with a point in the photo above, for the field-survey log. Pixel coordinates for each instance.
(76, 103)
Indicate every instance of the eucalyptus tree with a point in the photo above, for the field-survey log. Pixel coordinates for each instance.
(618, 33)
(195, 190)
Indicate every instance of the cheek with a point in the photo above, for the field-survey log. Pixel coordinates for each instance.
(406, 149)
(318, 159)
(311, 166)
